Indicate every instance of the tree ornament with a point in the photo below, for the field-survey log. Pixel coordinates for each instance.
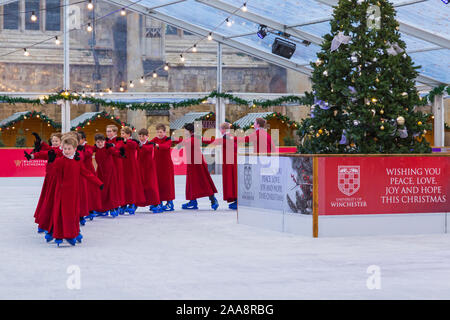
(400, 121)
(419, 123)
(382, 128)
(381, 111)
(325, 73)
(356, 123)
(339, 39)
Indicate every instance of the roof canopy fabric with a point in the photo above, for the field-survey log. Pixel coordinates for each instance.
(424, 25)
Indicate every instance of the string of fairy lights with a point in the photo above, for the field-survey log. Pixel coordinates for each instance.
(89, 27)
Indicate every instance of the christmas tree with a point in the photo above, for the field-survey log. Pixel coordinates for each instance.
(364, 86)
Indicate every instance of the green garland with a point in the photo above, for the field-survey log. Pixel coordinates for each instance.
(308, 99)
(32, 114)
(102, 114)
(279, 116)
(436, 92)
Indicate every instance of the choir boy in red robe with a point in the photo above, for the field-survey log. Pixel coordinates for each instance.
(164, 167)
(260, 138)
(111, 134)
(198, 180)
(43, 151)
(134, 191)
(104, 156)
(149, 178)
(69, 170)
(229, 164)
(93, 197)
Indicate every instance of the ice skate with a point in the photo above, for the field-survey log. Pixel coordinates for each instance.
(72, 242)
(158, 209)
(48, 237)
(191, 205)
(58, 241)
(39, 230)
(168, 206)
(214, 203)
(233, 205)
(131, 209)
(79, 238)
(82, 221)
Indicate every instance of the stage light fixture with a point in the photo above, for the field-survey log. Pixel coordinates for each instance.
(262, 31)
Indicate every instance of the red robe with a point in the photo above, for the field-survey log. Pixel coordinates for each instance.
(261, 140)
(229, 167)
(106, 173)
(147, 166)
(199, 183)
(45, 204)
(90, 194)
(118, 171)
(134, 190)
(164, 168)
(65, 222)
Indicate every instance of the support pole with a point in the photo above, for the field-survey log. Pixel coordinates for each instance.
(439, 129)
(65, 108)
(220, 109)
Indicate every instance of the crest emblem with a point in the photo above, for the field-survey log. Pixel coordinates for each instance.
(348, 179)
(247, 177)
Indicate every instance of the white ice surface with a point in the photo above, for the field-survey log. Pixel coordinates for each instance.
(207, 255)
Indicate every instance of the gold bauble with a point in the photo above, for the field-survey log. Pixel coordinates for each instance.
(381, 111)
(401, 121)
(320, 131)
(419, 123)
(382, 128)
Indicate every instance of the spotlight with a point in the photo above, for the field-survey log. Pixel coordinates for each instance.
(262, 32)
(283, 48)
(445, 1)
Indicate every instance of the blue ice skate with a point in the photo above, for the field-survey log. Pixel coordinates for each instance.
(158, 209)
(191, 205)
(131, 209)
(233, 205)
(169, 206)
(214, 203)
(151, 207)
(40, 230)
(94, 214)
(72, 242)
(79, 238)
(121, 210)
(113, 213)
(82, 221)
(58, 241)
(48, 236)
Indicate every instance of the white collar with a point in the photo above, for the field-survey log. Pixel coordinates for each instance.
(68, 156)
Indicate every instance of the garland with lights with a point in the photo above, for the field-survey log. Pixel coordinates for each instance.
(31, 114)
(436, 92)
(102, 114)
(76, 98)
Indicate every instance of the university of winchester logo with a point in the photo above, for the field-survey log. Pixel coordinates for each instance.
(348, 179)
(247, 177)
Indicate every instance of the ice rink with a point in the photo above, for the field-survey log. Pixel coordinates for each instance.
(207, 255)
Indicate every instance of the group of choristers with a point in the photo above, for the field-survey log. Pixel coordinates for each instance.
(130, 173)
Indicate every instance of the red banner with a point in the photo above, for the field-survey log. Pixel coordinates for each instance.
(14, 164)
(374, 185)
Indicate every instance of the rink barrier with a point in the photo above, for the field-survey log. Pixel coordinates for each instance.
(349, 195)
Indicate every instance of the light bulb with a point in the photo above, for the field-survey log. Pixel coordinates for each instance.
(166, 67)
(194, 48)
(131, 84)
(142, 79)
(181, 58)
(244, 7)
(90, 6)
(228, 22)
(210, 36)
(121, 89)
(155, 74)
(89, 27)
(25, 52)
(57, 42)
(123, 12)
(33, 17)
